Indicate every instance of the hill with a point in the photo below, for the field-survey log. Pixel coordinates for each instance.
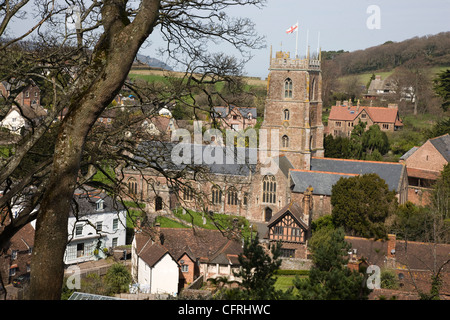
(428, 51)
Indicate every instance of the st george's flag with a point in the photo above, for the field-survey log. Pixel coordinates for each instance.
(293, 28)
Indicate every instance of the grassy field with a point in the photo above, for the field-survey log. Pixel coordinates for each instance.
(365, 77)
(162, 75)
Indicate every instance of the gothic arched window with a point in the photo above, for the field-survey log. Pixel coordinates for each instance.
(286, 114)
(232, 196)
(269, 189)
(132, 186)
(216, 195)
(285, 141)
(288, 88)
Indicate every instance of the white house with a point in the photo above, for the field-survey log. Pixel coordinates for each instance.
(154, 269)
(96, 224)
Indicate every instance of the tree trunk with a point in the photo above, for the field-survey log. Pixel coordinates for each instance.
(99, 84)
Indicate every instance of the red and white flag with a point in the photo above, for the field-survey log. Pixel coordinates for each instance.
(293, 28)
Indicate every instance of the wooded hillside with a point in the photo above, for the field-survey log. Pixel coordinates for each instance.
(429, 51)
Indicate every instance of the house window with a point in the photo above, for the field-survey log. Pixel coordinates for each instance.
(385, 126)
(269, 189)
(285, 141)
(78, 230)
(14, 255)
(249, 116)
(288, 88)
(363, 115)
(286, 114)
(338, 124)
(114, 242)
(287, 253)
(115, 224)
(277, 230)
(99, 205)
(232, 196)
(184, 268)
(216, 195)
(99, 226)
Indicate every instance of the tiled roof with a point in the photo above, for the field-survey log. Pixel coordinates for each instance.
(295, 210)
(423, 174)
(152, 253)
(377, 114)
(197, 243)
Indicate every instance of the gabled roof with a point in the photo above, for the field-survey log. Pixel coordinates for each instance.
(377, 114)
(442, 145)
(151, 253)
(409, 153)
(391, 172)
(202, 244)
(244, 111)
(292, 208)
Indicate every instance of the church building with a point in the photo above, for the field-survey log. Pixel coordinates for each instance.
(284, 200)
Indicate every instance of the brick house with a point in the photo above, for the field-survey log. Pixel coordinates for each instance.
(424, 165)
(16, 257)
(344, 117)
(30, 96)
(413, 262)
(236, 118)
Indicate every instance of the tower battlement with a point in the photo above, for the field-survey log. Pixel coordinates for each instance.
(283, 61)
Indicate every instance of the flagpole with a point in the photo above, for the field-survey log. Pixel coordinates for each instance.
(296, 43)
(307, 39)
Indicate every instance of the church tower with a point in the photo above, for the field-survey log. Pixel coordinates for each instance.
(293, 108)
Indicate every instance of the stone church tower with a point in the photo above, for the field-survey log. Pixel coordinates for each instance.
(294, 108)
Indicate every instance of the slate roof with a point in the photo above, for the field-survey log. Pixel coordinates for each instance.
(409, 153)
(213, 157)
(322, 182)
(244, 111)
(442, 144)
(391, 172)
(86, 202)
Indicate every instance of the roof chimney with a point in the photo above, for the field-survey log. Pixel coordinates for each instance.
(157, 233)
(307, 203)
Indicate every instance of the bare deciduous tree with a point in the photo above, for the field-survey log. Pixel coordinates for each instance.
(84, 64)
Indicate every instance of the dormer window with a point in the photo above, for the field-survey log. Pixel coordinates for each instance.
(100, 205)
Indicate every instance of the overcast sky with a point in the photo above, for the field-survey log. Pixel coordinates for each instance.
(342, 25)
